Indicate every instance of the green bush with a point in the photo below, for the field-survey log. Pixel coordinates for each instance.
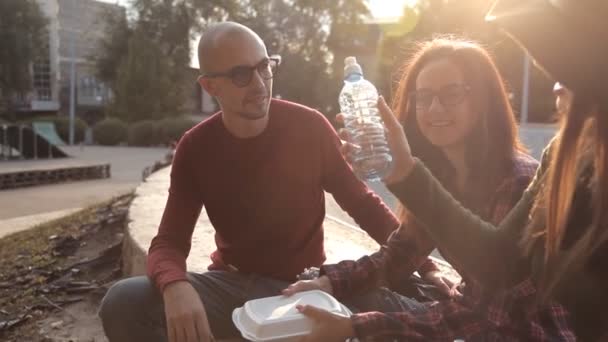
(110, 132)
(145, 133)
(172, 129)
(62, 125)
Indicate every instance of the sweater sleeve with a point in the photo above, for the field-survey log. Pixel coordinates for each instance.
(427, 266)
(490, 252)
(353, 196)
(170, 247)
(401, 255)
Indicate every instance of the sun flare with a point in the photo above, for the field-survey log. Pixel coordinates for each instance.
(382, 9)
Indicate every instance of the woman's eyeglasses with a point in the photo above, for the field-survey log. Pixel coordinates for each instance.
(449, 95)
(242, 75)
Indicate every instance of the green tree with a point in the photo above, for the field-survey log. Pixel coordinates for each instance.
(23, 38)
(113, 47)
(145, 61)
(145, 56)
(466, 18)
(144, 86)
(304, 33)
(170, 24)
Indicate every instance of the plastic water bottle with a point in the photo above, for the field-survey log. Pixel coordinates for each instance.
(358, 102)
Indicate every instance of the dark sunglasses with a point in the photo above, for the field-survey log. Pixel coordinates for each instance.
(242, 75)
(449, 95)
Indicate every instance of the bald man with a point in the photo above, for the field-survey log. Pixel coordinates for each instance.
(260, 167)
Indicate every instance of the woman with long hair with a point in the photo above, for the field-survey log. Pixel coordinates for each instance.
(452, 103)
(545, 260)
(453, 106)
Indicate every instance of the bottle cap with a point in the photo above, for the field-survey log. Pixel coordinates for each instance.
(350, 60)
(351, 66)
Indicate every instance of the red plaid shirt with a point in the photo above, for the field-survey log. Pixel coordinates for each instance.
(505, 316)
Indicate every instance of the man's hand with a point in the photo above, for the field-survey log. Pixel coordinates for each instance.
(322, 283)
(185, 314)
(445, 285)
(328, 327)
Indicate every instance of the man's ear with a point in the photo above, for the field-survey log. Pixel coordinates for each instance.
(209, 85)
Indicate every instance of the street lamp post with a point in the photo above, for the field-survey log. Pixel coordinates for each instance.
(525, 92)
(72, 89)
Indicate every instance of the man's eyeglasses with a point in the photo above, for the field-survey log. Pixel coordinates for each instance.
(450, 95)
(242, 75)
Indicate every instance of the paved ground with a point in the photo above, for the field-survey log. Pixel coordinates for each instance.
(24, 207)
(536, 137)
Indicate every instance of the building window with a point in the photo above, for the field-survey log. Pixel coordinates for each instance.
(42, 74)
(91, 91)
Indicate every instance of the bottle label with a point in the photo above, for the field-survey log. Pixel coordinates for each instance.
(353, 77)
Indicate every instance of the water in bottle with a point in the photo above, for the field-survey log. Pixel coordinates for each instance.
(358, 103)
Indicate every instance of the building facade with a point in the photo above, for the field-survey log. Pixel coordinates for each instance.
(75, 28)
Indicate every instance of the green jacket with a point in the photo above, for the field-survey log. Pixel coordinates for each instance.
(493, 254)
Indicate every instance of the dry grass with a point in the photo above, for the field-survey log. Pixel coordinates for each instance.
(37, 266)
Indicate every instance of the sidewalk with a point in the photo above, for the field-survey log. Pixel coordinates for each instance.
(24, 208)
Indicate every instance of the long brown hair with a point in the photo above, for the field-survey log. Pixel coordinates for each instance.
(493, 143)
(581, 146)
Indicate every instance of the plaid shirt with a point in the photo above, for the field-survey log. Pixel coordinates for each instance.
(478, 316)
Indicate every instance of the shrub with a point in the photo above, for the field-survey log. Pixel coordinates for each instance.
(145, 133)
(110, 132)
(172, 129)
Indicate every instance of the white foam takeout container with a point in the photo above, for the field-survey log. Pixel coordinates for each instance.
(277, 319)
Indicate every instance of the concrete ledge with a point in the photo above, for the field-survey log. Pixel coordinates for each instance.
(17, 224)
(342, 241)
(30, 173)
(52, 174)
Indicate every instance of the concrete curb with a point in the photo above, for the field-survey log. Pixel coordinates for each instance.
(342, 241)
(18, 224)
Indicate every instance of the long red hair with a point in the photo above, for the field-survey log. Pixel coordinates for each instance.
(581, 148)
(494, 142)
